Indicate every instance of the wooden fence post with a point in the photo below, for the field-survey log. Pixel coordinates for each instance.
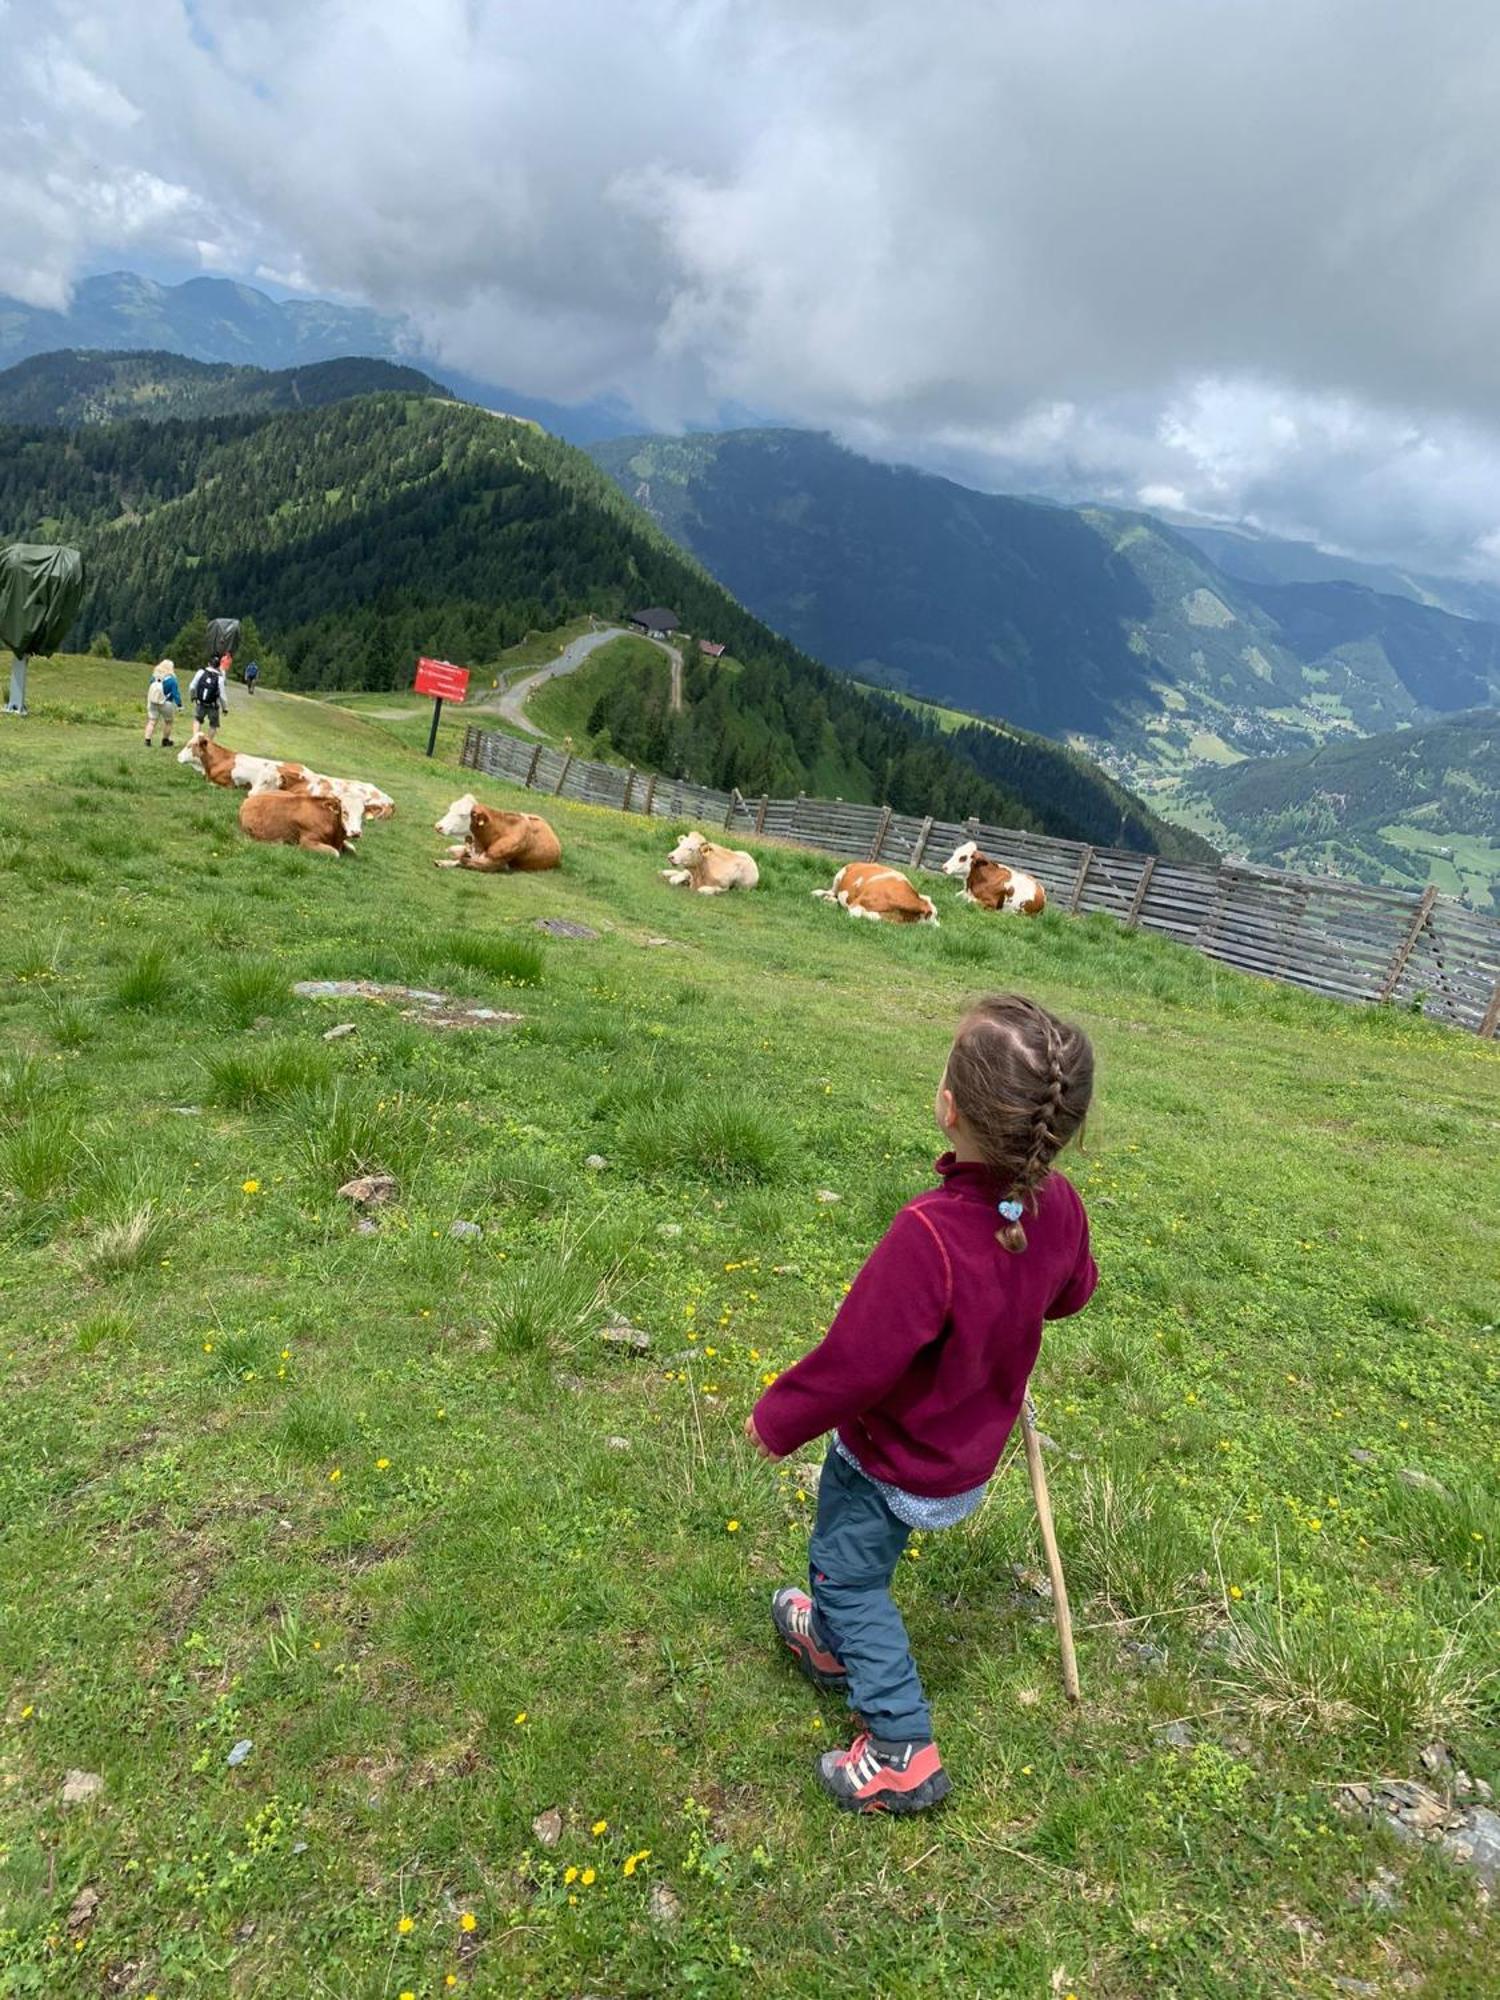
(562, 776)
(922, 838)
(1081, 877)
(1407, 945)
(536, 758)
(1491, 1021)
(629, 790)
(760, 813)
(1132, 915)
(734, 800)
(971, 826)
(881, 831)
(650, 795)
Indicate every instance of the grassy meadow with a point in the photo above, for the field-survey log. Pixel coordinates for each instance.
(389, 1507)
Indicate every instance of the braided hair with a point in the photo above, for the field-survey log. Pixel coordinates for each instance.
(1021, 1081)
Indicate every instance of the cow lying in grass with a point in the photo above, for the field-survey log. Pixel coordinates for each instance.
(710, 869)
(295, 819)
(496, 842)
(870, 889)
(235, 768)
(994, 886)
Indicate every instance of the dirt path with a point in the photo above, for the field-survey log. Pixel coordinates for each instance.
(512, 703)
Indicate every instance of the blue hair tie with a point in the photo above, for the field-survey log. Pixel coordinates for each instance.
(1012, 1211)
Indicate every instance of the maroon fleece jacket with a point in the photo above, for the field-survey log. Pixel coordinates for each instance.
(923, 1370)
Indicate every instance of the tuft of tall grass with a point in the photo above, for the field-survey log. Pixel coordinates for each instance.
(256, 1073)
(251, 988)
(541, 1307)
(147, 982)
(42, 1156)
(26, 1085)
(1127, 1543)
(344, 1129)
(126, 1245)
(513, 961)
(70, 1023)
(728, 1139)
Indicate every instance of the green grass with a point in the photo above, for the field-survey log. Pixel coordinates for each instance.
(389, 1506)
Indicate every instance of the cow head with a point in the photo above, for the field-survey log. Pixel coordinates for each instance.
(195, 751)
(962, 859)
(354, 813)
(687, 850)
(457, 821)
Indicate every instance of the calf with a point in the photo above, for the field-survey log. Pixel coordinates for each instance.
(702, 865)
(869, 889)
(496, 842)
(295, 820)
(992, 885)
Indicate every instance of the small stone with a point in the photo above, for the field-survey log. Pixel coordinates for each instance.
(1362, 1457)
(663, 1905)
(1434, 1758)
(240, 1751)
(1424, 1482)
(337, 1034)
(563, 927)
(369, 1190)
(548, 1827)
(188, 1110)
(246, 1931)
(299, 1847)
(85, 1903)
(622, 1334)
(81, 1786)
(1142, 1654)
(669, 1228)
(1382, 1891)
(826, 1195)
(1477, 1845)
(466, 1232)
(618, 1444)
(367, 1226)
(596, 1163)
(1177, 1734)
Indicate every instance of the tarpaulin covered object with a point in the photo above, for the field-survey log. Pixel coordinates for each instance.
(41, 588)
(223, 637)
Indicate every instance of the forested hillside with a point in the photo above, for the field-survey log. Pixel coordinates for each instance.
(367, 532)
(1085, 622)
(1413, 805)
(79, 387)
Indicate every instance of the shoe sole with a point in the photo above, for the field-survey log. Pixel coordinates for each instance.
(931, 1792)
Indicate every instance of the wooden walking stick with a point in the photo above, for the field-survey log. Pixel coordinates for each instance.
(1038, 1475)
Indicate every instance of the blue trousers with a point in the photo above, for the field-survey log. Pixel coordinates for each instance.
(855, 1547)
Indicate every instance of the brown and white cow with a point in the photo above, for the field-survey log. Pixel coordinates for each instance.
(994, 886)
(236, 768)
(496, 842)
(710, 869)
(870, 889)
(294, 819)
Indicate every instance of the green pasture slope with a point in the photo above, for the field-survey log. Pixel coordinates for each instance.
(388, 1507)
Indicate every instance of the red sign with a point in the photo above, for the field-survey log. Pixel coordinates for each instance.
(441, 678)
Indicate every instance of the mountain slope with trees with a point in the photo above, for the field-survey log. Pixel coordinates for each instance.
(1409, 806)
(1082, 622)
(366, 532)
(83, 387)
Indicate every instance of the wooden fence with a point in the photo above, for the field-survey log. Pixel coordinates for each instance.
(1342, 939)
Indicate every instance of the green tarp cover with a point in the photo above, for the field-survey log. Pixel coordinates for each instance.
(41, 588)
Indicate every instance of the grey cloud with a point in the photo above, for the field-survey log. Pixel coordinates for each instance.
(1241, 249)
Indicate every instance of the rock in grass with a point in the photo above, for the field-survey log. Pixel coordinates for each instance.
(81, 1786)
(623, 1334)
(466, 1232)
(369, 1190)
(663, 1905)
(827, 1195)
(618, 1444)
(337, 1034)
(547, 1827)
(85, 1903)
(1176, 1735)
(563, 927)
(240, 1751)
(596, 1163)
(1424, 1482)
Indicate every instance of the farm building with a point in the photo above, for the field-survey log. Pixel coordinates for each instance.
(654, 621)
(712, 649)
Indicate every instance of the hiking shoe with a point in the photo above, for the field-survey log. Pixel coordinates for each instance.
(872, 1776)
(791, 1614)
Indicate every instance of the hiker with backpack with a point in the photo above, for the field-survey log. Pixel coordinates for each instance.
(252, 675)
(207, 692)
(163, 700)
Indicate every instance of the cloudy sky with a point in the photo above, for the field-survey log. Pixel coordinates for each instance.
(1235, 256)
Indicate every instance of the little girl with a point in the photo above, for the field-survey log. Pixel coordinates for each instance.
(922, 1375)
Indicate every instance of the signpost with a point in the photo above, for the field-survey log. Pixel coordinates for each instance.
(444, 682)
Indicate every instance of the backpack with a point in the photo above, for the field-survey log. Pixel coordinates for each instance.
(205, 689)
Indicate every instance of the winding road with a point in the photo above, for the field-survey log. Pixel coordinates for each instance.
(511, 705)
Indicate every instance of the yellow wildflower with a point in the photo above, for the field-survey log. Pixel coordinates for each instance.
(587, 1878)
(406, 1926)
(1235, 1591)
(633, 1861)
(468, 1921)
(249, 1187)
(732, 1527)
(570, 1875)
(382, 1465)
(522, 1717)
(336, 1475)
(599, 1826)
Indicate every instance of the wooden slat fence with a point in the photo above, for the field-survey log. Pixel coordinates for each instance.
(1345, 940)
